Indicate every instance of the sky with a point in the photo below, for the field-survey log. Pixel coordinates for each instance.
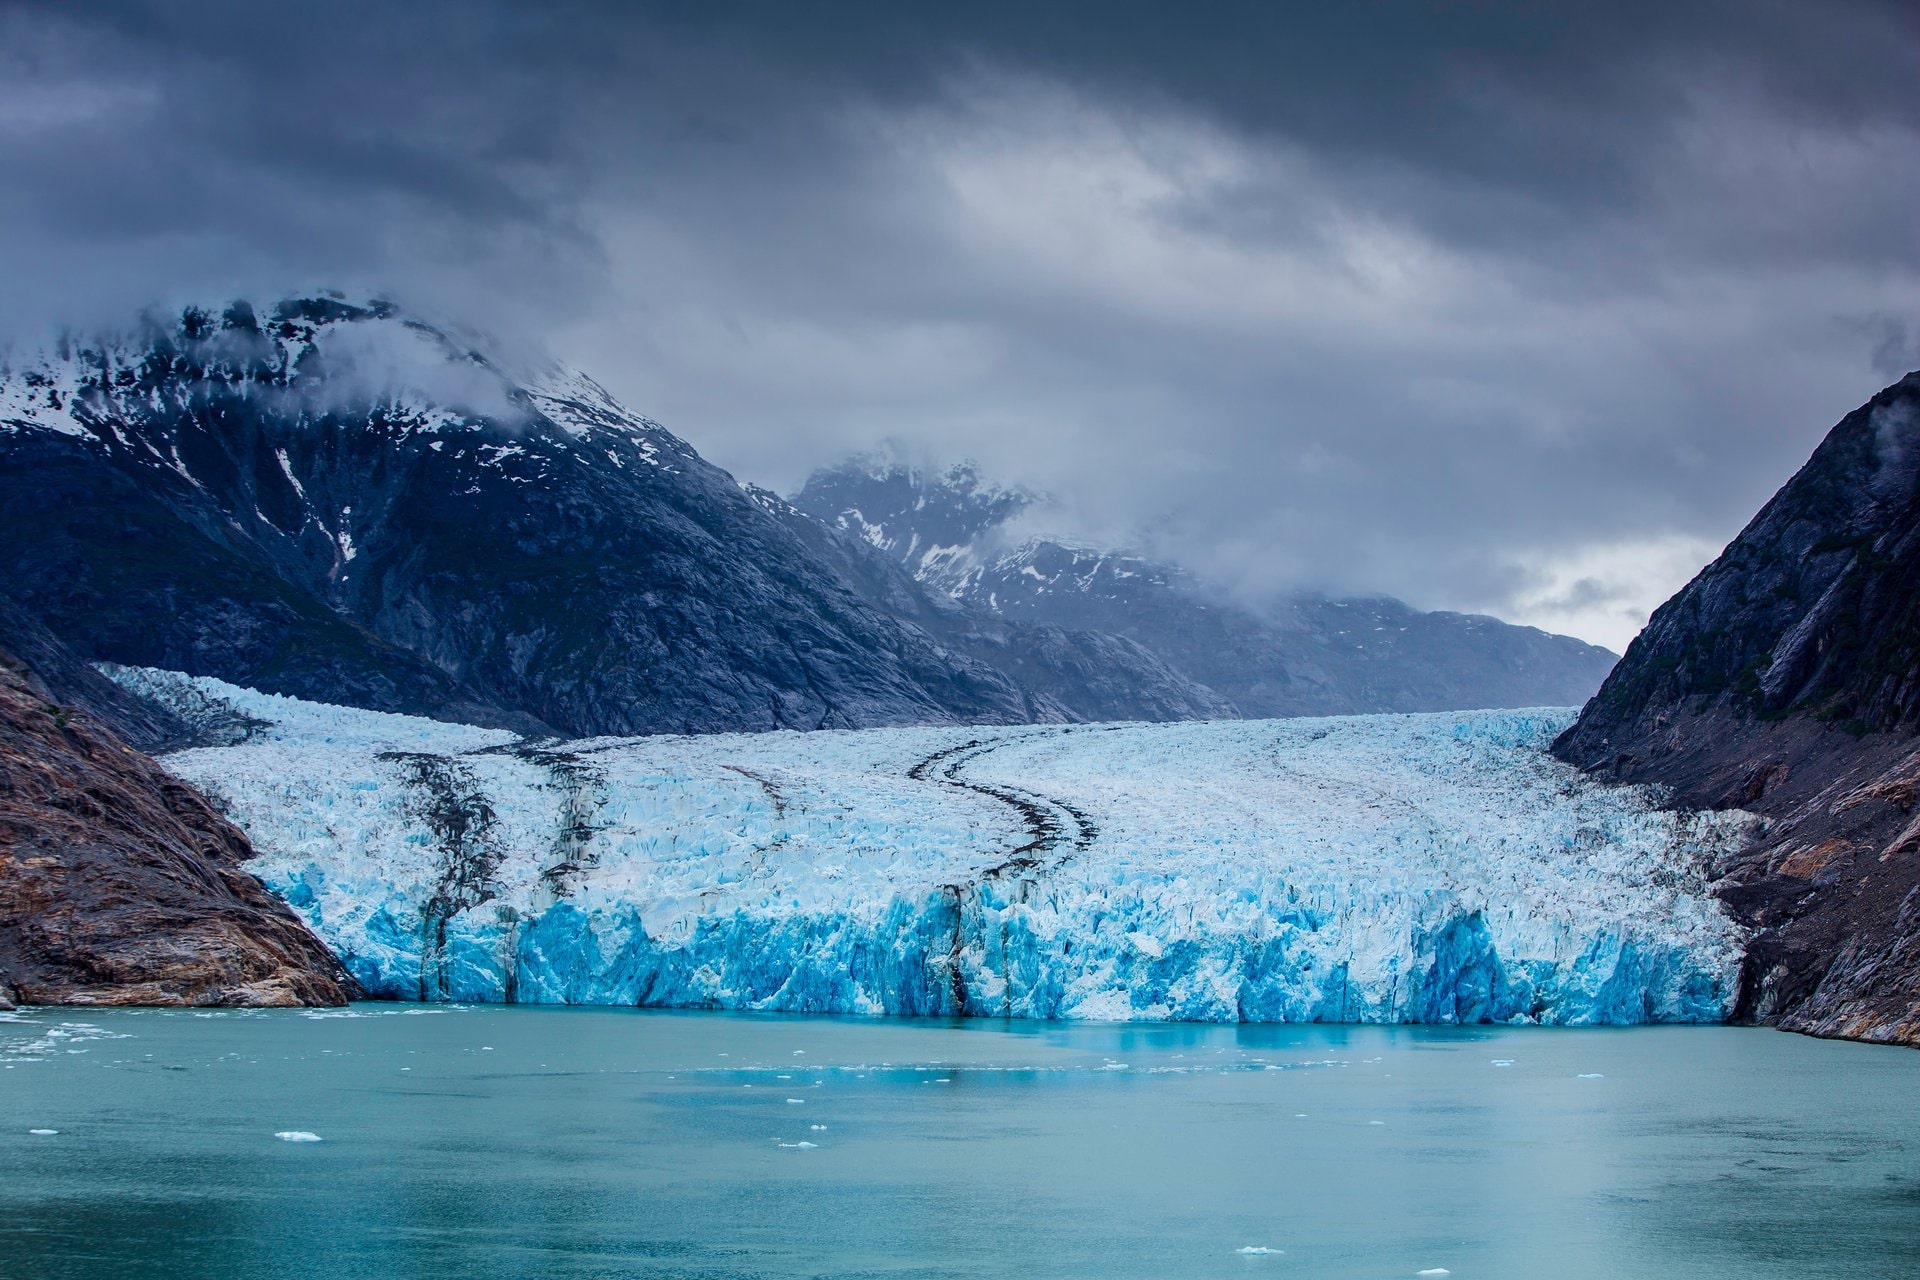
(1512, 308)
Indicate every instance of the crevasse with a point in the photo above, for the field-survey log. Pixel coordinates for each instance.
(1402, 868)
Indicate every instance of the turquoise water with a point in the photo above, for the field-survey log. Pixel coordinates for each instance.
(507, 1142)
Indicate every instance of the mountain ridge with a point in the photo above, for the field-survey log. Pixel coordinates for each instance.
(1310, 655)
(298, 501)
(336, 500)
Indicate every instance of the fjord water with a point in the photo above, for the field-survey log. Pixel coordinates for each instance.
(505, 1142)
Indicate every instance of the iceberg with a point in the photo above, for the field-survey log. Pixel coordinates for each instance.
(1434, 868)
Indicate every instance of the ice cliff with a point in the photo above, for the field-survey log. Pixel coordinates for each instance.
(1430, 868)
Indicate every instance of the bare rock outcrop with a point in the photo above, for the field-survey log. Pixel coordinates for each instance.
(121, 885)
(1785, 680)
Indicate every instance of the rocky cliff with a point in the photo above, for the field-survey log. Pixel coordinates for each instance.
(120, 884)
(1785, 679)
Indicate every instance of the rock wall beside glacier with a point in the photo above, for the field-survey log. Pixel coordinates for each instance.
(119, 884)
(1785, 679)
(1432, 868)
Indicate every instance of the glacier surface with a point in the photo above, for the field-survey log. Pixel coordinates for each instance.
(1396, 868)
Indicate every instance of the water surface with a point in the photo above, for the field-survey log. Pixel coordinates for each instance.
(506, 1142)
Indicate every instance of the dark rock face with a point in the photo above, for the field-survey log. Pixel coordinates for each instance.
(1307, 656)
(120, 884)
(339, 503)
(1785, 679)
(75, 686)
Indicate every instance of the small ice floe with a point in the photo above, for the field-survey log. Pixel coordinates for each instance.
(795, 1101)
(1434, 1271)
(1376, 1122)
(1498, 1062)
(816, 1127)
(44, 1133)
(297, 1135)
(1257, 1251)
(1589, 1075)
(799, 1146)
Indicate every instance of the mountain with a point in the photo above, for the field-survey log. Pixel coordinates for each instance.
(120, 884)
(954, 533)
(1785, 679)
(335, 500)
(1091, 674)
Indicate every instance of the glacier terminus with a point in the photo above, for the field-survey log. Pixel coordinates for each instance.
(1437, 867)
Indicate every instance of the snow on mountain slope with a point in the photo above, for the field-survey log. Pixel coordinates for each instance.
(944, 528)
(1435, 868)
(331, 499)
(1305, 655)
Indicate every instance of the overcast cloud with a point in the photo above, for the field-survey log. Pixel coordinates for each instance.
(1514, 308)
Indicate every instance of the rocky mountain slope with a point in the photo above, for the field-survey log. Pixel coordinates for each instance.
(120, 884)
(1088, 673)
(954, 533)
(337, 501)
(1785, 679)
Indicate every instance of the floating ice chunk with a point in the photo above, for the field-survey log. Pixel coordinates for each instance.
(1503, 1062)
(798, 1146)
(1590, 1075)
(45, 1133)
(795, 1101)
(1257, 1250)
(1434, 1271)
(816, 1127)
(1376, 1122)
(297, 1135)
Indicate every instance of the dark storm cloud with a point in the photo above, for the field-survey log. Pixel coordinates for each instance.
(1517, 307)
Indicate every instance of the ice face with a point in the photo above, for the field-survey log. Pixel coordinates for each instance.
(1425, 868)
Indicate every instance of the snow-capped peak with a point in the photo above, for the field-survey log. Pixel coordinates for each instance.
(316, 355)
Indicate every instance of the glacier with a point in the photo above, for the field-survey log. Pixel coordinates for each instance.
(1436, 868)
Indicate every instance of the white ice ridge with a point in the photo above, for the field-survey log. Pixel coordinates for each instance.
(1423, 868)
